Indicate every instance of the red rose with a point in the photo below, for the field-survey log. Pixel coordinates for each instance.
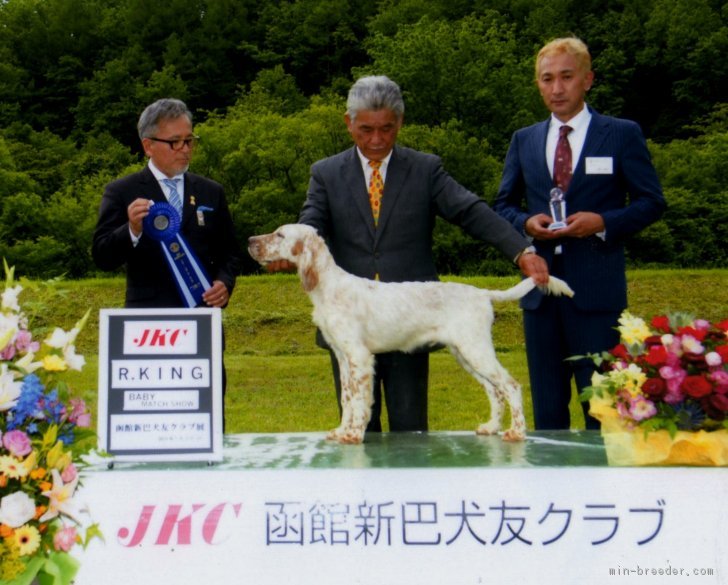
(654, 387)
(698, 334)
(661, 323)
(696, 386)
(620, 351)
(657, 356)
(719, 401)
(722, 351)
(723, 325)
(653, 340)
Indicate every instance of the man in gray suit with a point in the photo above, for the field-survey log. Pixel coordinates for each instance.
(390, 239)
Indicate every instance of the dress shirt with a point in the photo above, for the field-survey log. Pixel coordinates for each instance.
(577, 136)
(368, 170)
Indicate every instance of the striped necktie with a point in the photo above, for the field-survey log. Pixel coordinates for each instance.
(174, 198)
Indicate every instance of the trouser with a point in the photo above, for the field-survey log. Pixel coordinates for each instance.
(557, 330)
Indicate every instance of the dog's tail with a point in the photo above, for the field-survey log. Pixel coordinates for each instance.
(555, 286)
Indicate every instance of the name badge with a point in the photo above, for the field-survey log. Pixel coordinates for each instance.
(599, 165)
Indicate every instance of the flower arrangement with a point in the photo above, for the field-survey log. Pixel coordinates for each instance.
(670, 375)
(43, 435)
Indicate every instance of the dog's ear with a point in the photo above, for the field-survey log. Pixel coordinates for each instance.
(309, 278)
(297, 248)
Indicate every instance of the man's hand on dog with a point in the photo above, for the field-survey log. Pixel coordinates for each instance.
(534, 266)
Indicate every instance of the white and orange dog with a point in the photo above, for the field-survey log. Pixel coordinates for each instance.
(408, 316)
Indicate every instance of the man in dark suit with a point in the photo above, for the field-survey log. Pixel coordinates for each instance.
(611, 191)
(165, 130)
(379, 224)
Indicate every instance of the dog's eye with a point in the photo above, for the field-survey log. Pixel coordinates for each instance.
(280, 235)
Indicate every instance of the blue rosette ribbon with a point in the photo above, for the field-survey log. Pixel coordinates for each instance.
(163, 224)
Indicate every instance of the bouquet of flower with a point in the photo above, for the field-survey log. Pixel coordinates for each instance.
(43, 434)
(671, 374)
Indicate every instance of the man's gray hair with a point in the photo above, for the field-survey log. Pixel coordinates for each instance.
(164, 109)
(376, 92)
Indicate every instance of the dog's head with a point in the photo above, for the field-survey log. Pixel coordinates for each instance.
(296, 243)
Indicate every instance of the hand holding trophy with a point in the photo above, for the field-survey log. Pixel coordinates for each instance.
(557, 205)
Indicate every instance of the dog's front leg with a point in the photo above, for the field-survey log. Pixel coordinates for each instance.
(357, 397)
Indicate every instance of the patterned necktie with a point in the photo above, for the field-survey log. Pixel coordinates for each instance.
(376, 188)
(174, 198)
(562, 160)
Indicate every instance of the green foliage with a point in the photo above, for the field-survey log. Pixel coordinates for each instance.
(267, 83)
(467, 70)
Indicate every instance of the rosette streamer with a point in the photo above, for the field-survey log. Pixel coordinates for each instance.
(163, 225)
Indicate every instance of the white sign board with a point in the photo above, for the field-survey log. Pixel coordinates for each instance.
(538, 526)
(160, 384)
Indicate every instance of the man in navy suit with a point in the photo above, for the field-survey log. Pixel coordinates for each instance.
(397, 246)
(611, 191)
(165, 130)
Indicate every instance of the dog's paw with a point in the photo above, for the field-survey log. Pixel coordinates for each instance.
(489, 428)
(345, 436)
(514, 436)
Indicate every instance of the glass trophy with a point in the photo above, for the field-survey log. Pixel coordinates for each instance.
(557, 205)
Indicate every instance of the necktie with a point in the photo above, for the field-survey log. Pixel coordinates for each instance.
(562, 160)
(376, 188)
(174, 198)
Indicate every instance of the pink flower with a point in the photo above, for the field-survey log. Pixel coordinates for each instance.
(720, 378)
(65, 538)
(8, 353)
(674, 378)
(640, 408)
(24, 342)
(79, 415)
(69, 474)
(17, 442)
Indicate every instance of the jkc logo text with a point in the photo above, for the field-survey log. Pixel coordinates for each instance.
(160, 337)
(179, 525)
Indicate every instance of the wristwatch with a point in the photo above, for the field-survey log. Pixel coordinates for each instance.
(528, 250)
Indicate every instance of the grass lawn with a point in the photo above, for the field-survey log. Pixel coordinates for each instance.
(279, 381)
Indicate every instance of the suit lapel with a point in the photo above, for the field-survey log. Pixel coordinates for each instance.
(150, 187)
(354, 179)
(187, 201)
(537, 153)
(596, 133)
(397, 170)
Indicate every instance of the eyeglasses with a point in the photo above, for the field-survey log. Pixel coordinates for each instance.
(179, 143)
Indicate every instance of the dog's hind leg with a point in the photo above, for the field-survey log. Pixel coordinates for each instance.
(357, 396)
(499, 386)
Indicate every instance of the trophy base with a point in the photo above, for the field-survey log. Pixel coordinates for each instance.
(557, 225)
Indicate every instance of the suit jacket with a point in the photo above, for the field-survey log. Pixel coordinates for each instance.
(416, 190)
(148, 279)
(628, 198)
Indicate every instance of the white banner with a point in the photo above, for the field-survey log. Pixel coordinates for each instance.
(450, 526)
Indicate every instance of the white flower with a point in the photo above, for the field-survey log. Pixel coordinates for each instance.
(9, 388)
(713, 359)
(10, 298)
(16, 509)
(8, 329)
(692, 345)
(59, 339)
(74, 360)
